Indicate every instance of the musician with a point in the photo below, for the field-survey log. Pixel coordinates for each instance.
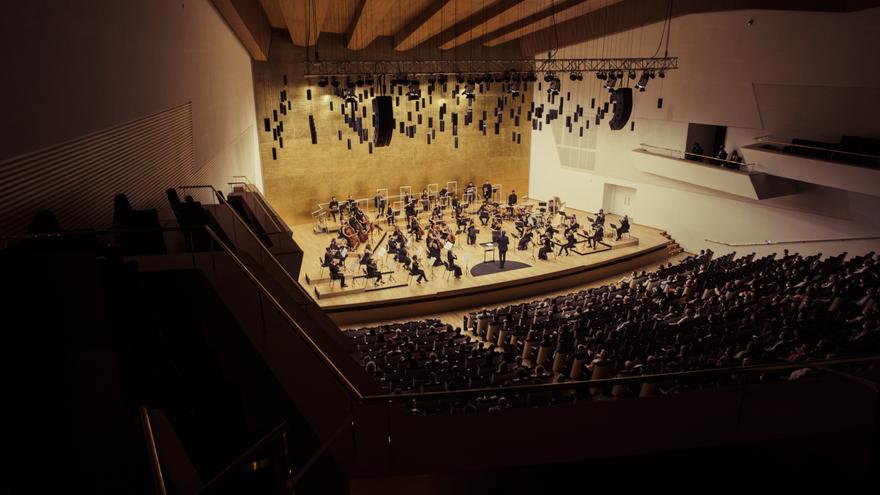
(470, 192)
(410, 210)
(598, 235)
(546, 247)
(503, 242)
(394, 244)
(532, 220)
(390, 218)
(471, 233)
(367, 257)
(444, 195)
(416, 229)
(550, 230)
(329, 256)
(525, 240)
(416, 270)
(570, 242)
(456, 205)
(374, 272)
(487, 190)
(435, 248)
(403, 256)
(483, 213)
(600, 218)
(350, 204)
(511, 198)
(624, 226)
(336, 273)
(336, 250)
(334, 207)
(450, 263)
(379, 201)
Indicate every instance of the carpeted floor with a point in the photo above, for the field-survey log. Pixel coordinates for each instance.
(492, 267)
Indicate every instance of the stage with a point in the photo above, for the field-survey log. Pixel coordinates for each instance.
(401, 298)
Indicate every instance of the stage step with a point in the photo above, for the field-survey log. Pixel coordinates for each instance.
(632, 241)
(326, 292)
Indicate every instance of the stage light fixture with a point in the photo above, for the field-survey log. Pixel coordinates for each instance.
(662, 74)
(334, 82)
(632, 74)
(611, 82)
(349, 83)
(360, 81)
(413, 92)
(513, 89)
(323, 81)
(601, 76)
(468, 90)
(369, 80)
(573, 76)
(459, 79)
(442, 79)
(548, 77)
(555, 85)
(643, 81)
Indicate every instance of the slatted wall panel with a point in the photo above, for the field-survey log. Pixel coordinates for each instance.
(78, 179)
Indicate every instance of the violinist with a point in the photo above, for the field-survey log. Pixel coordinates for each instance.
(416, 229)
(546, 247)
(434, 249)
(570, 242)
(336, 273)
(524, 241)
(373, 271)
(415, 269)
(450, 264)
(403, 257)
(334, 207)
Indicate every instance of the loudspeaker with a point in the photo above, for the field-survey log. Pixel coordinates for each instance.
(622, 98)
(383, 127)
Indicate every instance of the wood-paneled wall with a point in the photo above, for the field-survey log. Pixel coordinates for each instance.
(305, 174)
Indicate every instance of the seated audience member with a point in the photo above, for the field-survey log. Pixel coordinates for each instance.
(696, 151)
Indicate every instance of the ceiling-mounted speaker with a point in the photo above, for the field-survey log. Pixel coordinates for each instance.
(384, 121)
(622, 99)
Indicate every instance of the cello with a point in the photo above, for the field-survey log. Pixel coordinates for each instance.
(350, 235)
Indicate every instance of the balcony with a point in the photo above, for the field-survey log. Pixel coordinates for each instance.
(828, 167)
(732, 178)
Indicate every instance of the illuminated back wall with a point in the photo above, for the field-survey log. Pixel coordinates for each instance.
(302, 174)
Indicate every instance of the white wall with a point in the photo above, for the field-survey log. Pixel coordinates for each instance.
(789, 74)
(73, 67)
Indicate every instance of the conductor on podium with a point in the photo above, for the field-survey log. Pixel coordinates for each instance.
(503, 242)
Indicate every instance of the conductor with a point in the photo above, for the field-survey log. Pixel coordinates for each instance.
(503, 242)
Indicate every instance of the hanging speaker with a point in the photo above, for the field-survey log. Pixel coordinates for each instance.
(383, 122)
(622, 98)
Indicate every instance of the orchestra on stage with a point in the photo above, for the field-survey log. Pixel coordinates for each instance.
(433, 222)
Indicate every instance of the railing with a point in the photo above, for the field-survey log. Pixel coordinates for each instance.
(798, 241)
(277, 433)
(153, 453)
(833, 154)
(264, 205)
(687, 155)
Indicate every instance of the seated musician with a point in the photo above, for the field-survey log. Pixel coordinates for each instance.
(403, 257)
(374, 272)
(443, 195)
(336, 250)
(456, 205)
(624, 226)
(570, 242)
(410, 210)
(350, 204)
(461, 222)
(435, 251)
(336, 273)
(487, 190)
(363, 219)
(438, 211)
(334, 207)
(600, 218)
(415, 229)
(367, 257)
(573, 222)
(532, 220)
(483, 213)
(546, 247)
(470, 192)
(598, 235)
(416, 270)
(450, 263)
(472, 233)
(393, 245)
(390, 218)
(525, 240)
(550, 230)
(511, 198)
(329, 256)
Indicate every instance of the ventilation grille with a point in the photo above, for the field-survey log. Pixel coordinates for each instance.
(575, 151)
(78, 179)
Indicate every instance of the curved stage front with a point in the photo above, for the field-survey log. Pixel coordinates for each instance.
(404, 298)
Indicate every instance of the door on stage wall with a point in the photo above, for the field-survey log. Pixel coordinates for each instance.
(619, 200)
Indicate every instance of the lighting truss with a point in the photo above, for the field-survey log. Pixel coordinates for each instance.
(341, 68)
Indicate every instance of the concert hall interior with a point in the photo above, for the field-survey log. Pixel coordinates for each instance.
(440, 246)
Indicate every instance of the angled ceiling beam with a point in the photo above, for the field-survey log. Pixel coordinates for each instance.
(412, 34)
(560, 12)
(362, 28)
(473, 27)
(304, 19)
(249, 23)
(273, 12)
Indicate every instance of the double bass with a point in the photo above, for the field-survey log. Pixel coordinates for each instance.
(350, 235)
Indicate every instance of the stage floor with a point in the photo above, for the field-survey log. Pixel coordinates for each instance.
(313, 245)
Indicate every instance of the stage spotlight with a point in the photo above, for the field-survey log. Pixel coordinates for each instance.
(555, 85)
(323, 81)
(432, 80)
(573, 76)
(443, 79)
(513, 89)
(369, 80)
(413, 92)
(334, 82)
(632, 74)
(468, 91)
(612, 80)
(532, 77)
(662, 74)
(643, 81)
(619, 75)
(350, 96)
(349, 83)
(652, 74)
(548, 77)
(459, 79)
(601, 76)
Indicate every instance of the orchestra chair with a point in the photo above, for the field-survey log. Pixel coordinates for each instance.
(449, 271)
(323, 266)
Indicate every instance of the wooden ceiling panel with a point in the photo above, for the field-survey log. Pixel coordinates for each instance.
(273, 12)
(544, 19)
(304, 19)
(434, 18)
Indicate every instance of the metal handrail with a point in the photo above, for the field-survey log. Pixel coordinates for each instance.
(799, 241)
(281, 429)
(541, 387)
(263, 204)
(686, 154)
(153, 451)
(768, 139)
